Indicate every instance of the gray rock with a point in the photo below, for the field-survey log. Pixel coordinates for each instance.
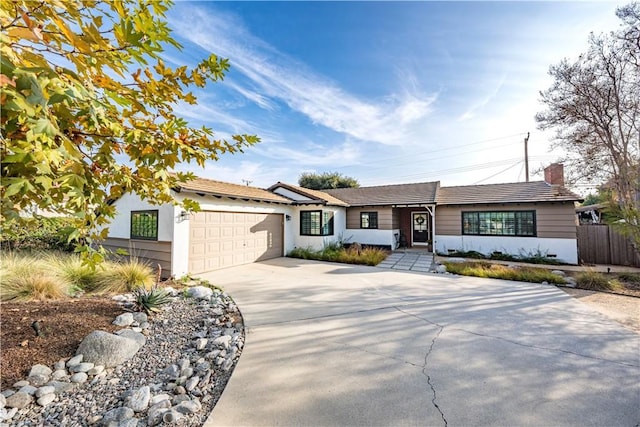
(81, 367)
(184, 363)
(192, 383)
(59, 374)
(145, 325)
(116, 416)
(75, 360)
(139, 399)
(155, 413)
(46, 399)
(559, 273)
(48, 389)
(441, 269)
(8, 392)
(125, 319)
(40, 370)
(19, 400)
(3, 401)
(131, 422)
(62, 387)
(10, 413)
(188, 407)
(96, 370)
(201, 343)
(28, 389)
(172, 372)
(187, 372)
(79, 378)
(109, 350)
(60, 364)
(223, 341)
(180, 390)
(570, 284)
(178, 399)
(158, 398)
(38, 379)
(203, 367)
(21, 383)
(140, 317)
(133, 335)
(199, 292)
(171, 417)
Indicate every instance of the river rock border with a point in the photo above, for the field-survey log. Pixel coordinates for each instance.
(183, 358)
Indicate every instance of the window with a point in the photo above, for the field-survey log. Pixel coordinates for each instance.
(510, 223)
(144, 225)
(316, 223)
(368, 219)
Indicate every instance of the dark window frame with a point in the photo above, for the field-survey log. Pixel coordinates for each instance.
(134, 232)
(325, 223)
(372, 220)
(520, 224)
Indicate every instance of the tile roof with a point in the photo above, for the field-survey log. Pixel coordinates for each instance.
(518, 192)
(225, 189)
(399, 194)
(314, 195)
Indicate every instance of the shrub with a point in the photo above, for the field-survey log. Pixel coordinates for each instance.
(71, 268)
(26, 278)
(496, 271)
(332, 253)
(37, 234)
(594, 281)
(124, 277)
(633, 278)
(150, 300)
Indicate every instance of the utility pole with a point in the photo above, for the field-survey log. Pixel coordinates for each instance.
(526, 157)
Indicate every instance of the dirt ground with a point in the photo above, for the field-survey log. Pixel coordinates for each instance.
(63, 326)
(621, 308)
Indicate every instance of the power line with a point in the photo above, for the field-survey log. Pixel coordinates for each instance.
(495, 174)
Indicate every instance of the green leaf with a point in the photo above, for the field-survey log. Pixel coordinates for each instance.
(44, 126)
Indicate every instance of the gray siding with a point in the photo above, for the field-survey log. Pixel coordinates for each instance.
(151, 252)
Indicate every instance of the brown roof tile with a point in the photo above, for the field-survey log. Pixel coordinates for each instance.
(399, 194)
(225, 189)
(314, 195)
(518, 192)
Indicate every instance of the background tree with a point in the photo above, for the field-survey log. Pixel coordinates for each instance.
(88, 108)
(594, 107)
(326, 181)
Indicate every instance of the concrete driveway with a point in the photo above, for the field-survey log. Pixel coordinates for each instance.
(332, 344)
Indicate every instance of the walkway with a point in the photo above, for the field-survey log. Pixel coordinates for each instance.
(409, 260)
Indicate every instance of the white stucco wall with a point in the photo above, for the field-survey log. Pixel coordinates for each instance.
(371, 237)
(566, 250)
(120, 226)
(290, 194)
(318, 242)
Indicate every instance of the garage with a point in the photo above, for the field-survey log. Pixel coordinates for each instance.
(225, 239)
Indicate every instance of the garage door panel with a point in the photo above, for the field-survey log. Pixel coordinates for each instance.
(225, 239)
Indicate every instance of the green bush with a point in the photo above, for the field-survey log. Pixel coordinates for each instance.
(498, 271)
(26, 277)
(335, 253)
(72, 269)
(125, 276)
(594, 281)
(37, 234)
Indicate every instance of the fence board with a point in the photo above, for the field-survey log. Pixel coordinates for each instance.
(599, 244)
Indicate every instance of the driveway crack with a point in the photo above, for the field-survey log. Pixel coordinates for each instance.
(426, 374)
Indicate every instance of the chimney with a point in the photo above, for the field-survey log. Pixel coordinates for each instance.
(554, 174)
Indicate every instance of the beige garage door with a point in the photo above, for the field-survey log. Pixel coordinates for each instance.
(224, 239)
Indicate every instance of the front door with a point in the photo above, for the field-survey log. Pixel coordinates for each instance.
(420, 226)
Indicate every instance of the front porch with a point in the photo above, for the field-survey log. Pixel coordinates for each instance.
(416, 225)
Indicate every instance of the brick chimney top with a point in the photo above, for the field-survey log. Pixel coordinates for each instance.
(554, 174)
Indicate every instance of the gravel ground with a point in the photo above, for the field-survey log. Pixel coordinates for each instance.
(170, 339)
(621, 308)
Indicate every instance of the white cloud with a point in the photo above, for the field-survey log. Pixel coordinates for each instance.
(279, 77)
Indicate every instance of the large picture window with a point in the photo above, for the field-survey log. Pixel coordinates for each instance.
(508, 223)
(144, 225)
(316, 223)
(368, 219)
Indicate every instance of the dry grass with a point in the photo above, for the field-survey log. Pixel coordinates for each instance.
(30, 278)
(124, 277)
(336, 253)
(498, 271)
(594, 281)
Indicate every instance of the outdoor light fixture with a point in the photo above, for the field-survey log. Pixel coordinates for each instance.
(184, 215)
(287, 217)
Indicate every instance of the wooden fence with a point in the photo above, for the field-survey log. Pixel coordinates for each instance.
(600, 244)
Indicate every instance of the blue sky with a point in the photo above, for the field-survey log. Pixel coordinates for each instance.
(385, 92)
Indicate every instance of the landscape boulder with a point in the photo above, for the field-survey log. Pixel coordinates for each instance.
(108, 350)
(199, 292)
